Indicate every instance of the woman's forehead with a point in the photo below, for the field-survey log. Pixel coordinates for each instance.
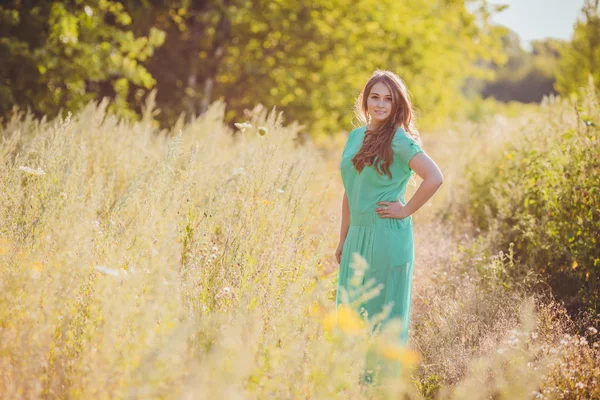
(380, 89)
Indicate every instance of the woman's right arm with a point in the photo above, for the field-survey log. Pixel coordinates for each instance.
(345, 218)
(344, 228)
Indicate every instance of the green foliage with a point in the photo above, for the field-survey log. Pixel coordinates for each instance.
(63, 54)
(542, 193)
(429, 386)
(582, 57)
(310, 60)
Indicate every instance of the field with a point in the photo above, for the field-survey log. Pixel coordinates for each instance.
(198, 262)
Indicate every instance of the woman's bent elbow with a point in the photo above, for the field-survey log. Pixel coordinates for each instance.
(437, 179)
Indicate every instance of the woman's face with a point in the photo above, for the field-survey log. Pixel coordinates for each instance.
(379, 103)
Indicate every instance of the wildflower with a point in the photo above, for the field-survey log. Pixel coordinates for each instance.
(243, 126)
(534, 335)
(592, 330)
(32, 171)
(392, 351)
(359, 265)
(262, 131)
(316, 309)
(238, 171)
(580, 385)
(280, 190)
(344, 318)
(107, 271)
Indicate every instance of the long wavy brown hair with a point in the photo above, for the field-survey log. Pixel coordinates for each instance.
(378, 142)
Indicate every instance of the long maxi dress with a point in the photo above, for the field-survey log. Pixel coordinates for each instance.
(387, 244)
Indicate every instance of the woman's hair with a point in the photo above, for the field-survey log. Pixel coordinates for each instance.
(378, 142)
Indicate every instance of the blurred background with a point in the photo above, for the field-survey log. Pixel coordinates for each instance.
(461, 59)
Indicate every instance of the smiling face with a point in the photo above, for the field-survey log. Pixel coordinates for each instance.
(379, 103)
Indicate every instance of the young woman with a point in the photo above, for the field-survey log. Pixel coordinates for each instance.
(377, 163)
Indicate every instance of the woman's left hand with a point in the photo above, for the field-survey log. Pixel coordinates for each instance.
(394, 209)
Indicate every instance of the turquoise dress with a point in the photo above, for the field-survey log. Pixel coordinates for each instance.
(386, 244)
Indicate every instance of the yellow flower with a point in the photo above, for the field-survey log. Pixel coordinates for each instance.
(392, 351)
(345, 318)
(316, 310)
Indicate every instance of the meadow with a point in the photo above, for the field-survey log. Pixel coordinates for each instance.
(198, 262)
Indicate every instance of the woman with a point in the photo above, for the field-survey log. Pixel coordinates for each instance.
(378, 160)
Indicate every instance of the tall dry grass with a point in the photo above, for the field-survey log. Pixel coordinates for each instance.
(192, 263)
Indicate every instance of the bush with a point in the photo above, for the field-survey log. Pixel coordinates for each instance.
(542, 193)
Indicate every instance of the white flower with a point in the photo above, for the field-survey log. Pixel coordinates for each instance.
(224, 291)
(592, 330)
(580, 385)
(107, 271)
(357, 277)
(280, 190)
(239, 171)
(32, 171)
(534, 335)
(243, 126)
(358, 262)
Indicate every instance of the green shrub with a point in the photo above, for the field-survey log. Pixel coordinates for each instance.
(541, 192)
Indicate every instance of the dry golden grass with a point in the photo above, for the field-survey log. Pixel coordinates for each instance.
(198, 263)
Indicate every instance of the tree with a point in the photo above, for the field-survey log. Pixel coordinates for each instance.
(582, 57)
(310, 59)
(59, 54)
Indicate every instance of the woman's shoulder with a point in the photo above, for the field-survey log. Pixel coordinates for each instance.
(356, 130)
(360, 128)
(402, 135)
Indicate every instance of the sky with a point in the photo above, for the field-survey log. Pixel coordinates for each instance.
(537, 19)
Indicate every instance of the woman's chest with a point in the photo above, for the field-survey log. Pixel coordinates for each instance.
(369, 176)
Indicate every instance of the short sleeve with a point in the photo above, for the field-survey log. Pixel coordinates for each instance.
(405, 148)
(348, 140)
